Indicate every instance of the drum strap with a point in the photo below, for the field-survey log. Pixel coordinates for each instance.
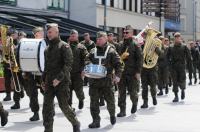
(101, 57)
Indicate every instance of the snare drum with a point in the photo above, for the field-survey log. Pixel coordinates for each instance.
(95, 71)
(31, 55)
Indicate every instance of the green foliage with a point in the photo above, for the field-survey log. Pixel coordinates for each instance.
(1, 70)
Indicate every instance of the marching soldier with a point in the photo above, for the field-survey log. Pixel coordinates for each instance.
(178, 55)
(149, 78)
(3, 115)
(89, 44)
(131, 55)
(12, 71)
(103, 85)
(112, 41)
(163, 69)
(79, 54)
(56, 77)
(6, 65)
(195, 61)
(34, 80)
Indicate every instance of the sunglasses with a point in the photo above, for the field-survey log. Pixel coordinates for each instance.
(125, 32)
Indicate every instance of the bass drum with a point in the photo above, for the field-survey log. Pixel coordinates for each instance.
(31, 55)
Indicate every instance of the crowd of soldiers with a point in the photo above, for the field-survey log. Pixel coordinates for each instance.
(64, 72)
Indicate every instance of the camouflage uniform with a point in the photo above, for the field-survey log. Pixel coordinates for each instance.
(195, 61)
(103, 85)
(132, 66)
(163, 71)
(178, 55)
(149, 78)
(58, 63)
(79, 54)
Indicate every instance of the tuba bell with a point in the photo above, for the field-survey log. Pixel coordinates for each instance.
(150, 57)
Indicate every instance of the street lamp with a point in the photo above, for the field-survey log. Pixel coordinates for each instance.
(105, 15)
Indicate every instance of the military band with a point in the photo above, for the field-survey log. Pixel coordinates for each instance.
(104, 63)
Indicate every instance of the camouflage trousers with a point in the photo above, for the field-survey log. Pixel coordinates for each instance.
(132, 84)
(62, 94)
(98, 87)
(148, 78)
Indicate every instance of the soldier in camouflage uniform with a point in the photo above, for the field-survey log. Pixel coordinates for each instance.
(89, 44)
(163, 68)
(178, 55)
(33, 80)
(103, 85)
(131, 55)
(149, 78)
(195, 61)
(3, 115)
(56, 77)
(79, 55)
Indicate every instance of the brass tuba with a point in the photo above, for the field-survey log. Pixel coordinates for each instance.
(5, 47)
(150, 57)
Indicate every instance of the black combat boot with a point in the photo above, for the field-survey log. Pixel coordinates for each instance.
(160, 93)
(48, 129)
(195, 80)
(101, 103)
(122, 112)
(134, 108)
(76, 128)
(8, 97)
(15, 106)
(35, 117)
(166, 90)
(4, 117)
(182, 94)
(113, 120)
(154, 101)
(145, 104)
(22, 94)
(81, 104)
(176, 97)
(94, 124)
(190, 83)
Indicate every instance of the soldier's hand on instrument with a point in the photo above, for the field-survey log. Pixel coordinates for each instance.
(55, 82)
(116, 79)
(137, 76)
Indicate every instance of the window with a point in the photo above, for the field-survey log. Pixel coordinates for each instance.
(8, 2)
(136, 4)
(112, 3)
(124, 4)
(103, 2)
(130, 5)
(56, 4)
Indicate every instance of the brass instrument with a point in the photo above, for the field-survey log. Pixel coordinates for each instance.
(5, 47)
(124, 55)
(14, 67)
(152, 42)
(8, 54)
